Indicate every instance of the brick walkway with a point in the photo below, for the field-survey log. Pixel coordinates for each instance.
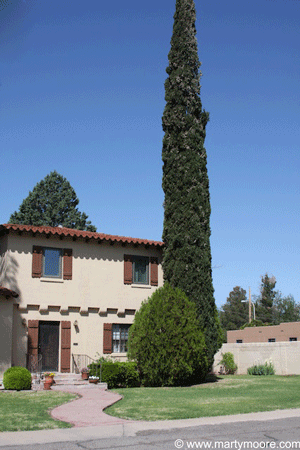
(88, 409)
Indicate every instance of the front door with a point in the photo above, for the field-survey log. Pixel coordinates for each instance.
(49, 345)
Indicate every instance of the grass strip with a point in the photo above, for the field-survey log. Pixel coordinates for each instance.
(228, 395)
(29, 410)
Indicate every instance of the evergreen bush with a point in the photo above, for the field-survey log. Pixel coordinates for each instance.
(262, 369)
(166, 342)
(228, 363)
(17, 378)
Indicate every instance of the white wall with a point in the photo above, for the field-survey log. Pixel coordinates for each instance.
(285, 356)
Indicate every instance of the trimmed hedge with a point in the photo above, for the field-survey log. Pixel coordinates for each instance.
(17, 378)
(116, 374)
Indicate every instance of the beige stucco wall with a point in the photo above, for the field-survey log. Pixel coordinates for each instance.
(285, 356)
(95, 295)
(6, 329)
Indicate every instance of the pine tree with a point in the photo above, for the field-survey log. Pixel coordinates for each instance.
(186, 233)
(266, 299)
(234, 313)
(52, 202)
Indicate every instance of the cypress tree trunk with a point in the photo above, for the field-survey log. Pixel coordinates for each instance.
(186, 234)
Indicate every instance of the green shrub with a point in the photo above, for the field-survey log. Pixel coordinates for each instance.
(166, 342)
(17, 378)
(262, 369)
(228, 362)
(116, 373)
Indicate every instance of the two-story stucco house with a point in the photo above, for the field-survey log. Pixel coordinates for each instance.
(66, 292)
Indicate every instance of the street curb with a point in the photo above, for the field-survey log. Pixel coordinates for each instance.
(131, 429)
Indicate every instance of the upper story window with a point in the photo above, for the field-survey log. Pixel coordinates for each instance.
(52, 262)
(140, 270)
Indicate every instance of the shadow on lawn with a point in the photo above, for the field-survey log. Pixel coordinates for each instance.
(211, 378)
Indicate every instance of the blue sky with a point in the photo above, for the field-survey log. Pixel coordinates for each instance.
(82, 92)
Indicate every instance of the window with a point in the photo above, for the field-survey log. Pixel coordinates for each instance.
(239, 341)
(140, 270)
(52, 262)
(272, 340)
(119, 338)
(293, 339)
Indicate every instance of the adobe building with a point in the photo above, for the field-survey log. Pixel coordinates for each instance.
(276, 344)
(289, 332)
(69, 296)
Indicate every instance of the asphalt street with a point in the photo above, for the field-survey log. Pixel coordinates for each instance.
(253, 434)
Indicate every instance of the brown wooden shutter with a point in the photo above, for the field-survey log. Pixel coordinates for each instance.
(154, 271)
(127, 269)
(107, 338)
(65, 350)
(37, 261)
(33, 337)
(67, 271)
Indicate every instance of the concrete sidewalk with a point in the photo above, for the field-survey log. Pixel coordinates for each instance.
(90, 422)
(87, 411)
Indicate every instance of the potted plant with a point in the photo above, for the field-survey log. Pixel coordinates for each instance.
(93, 379)
(49, 377)
(48, 380)
(85, 373)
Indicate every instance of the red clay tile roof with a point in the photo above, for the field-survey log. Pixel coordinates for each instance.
(70, 232)
(7, 292)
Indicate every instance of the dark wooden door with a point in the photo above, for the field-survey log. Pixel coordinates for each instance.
(49, 345)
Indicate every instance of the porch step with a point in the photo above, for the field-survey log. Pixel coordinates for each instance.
(68, 380)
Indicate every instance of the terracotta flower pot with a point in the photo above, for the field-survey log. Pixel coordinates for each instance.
(47, 385)
(85, 375)
(49, 379)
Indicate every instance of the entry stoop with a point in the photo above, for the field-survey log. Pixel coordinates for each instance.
(74, 379)
(68, 380)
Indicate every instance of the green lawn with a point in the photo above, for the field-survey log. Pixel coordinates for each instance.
(228, 395)
(29, 410)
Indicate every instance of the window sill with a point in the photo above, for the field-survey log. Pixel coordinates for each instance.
(51, 280)
(141, 286)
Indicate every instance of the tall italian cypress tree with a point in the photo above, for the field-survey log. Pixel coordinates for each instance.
(186, 233)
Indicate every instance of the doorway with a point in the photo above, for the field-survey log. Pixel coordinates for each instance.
(49, 345)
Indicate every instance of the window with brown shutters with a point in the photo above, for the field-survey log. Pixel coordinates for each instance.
(50, 262)
(65, 350)
(107, 338)
(140, 270)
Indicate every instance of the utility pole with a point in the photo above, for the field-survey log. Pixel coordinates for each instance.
(250, 312)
